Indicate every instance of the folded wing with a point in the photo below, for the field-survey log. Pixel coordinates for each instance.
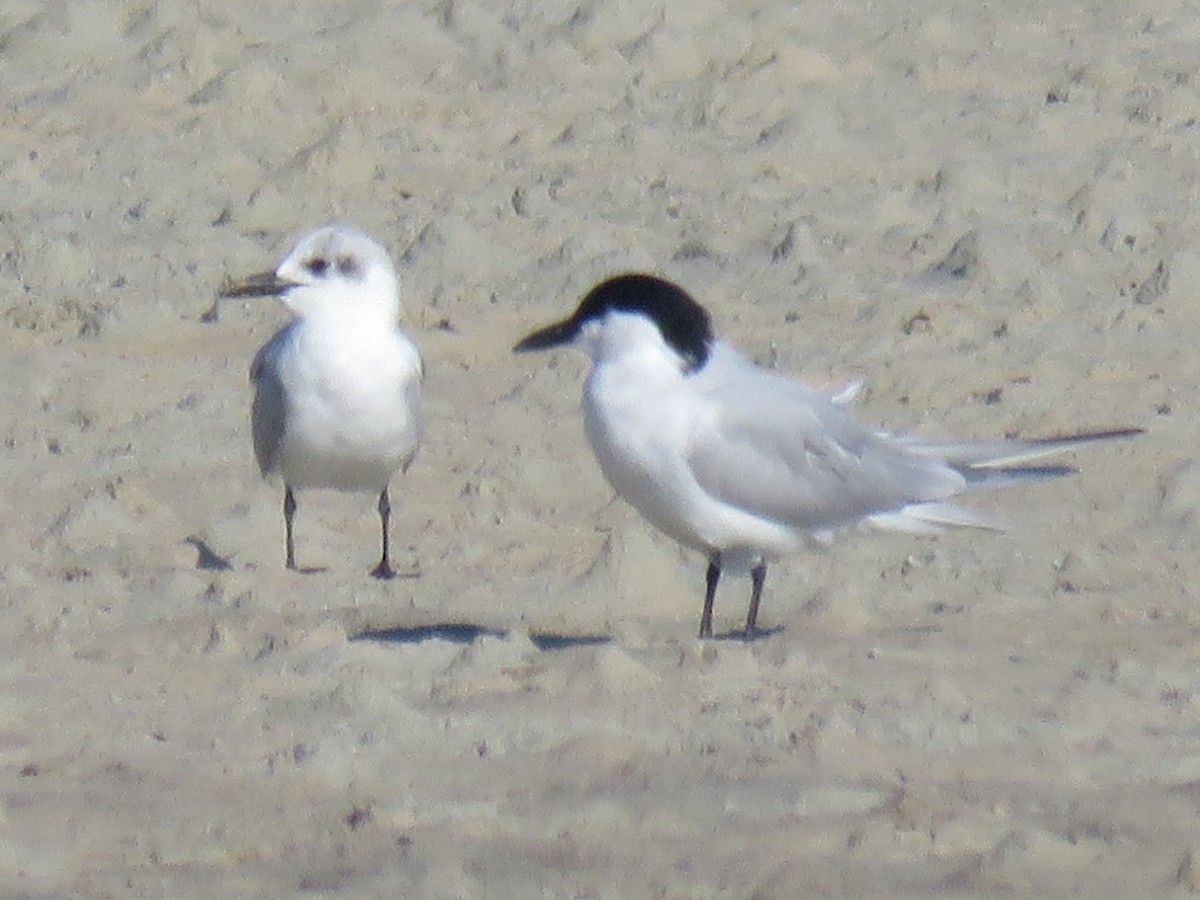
(782, 450)
(785, 452)
(268, 414)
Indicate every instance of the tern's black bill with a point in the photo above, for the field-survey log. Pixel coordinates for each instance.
(551, 336)
(264, 284)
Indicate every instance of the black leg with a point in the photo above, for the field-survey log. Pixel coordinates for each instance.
(758, 576)
(289, 513)
(384, 569)
(710, 593)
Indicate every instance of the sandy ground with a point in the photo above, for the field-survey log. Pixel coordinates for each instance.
(986, 212)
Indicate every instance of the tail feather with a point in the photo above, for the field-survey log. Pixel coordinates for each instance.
(982, 477)
(932, 518)
(1009, 453)
(985, 464)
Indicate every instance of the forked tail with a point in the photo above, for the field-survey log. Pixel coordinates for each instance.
(986, 464)
(995, 463)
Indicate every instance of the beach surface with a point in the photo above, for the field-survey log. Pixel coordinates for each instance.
(986, 214)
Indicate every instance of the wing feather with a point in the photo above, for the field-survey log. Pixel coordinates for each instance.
(786, 452)
(269, 411)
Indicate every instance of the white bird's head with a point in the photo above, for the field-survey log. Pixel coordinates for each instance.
(629, 312)
(336, 269)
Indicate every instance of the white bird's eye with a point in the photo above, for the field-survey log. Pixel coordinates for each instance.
(318, 265)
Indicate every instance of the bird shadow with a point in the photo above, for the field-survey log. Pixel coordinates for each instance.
(206, 557)
(309, 570)
(740, 634)
(465, 633)
(390, 574)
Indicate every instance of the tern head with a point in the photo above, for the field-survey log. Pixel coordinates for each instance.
(632, 308)
(335, 269)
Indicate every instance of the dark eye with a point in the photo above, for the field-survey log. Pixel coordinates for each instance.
(317, 265)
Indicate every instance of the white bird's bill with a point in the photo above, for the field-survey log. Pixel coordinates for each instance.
(744, 464)
(337, 391)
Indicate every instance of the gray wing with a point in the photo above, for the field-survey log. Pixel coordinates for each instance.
(414, 402)
(268, 414)
(786, 452)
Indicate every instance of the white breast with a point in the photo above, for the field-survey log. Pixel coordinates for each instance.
(352, 398)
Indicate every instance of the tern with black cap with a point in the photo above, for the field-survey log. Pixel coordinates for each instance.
(744, 464)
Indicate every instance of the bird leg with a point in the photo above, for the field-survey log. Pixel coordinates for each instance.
(384, 569)
(758, 577)
(289, 513)
(710, 592)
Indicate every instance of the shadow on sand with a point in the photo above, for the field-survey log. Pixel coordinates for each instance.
(459, 633)
(740, 635)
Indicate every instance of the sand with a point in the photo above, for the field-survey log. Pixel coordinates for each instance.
(987, 213)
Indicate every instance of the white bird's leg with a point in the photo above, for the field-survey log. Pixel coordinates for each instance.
(710, 592)
(384, 569)
(289, 513)
(758, 577)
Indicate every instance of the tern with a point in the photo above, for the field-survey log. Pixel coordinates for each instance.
(744, 464)
(337, 391)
